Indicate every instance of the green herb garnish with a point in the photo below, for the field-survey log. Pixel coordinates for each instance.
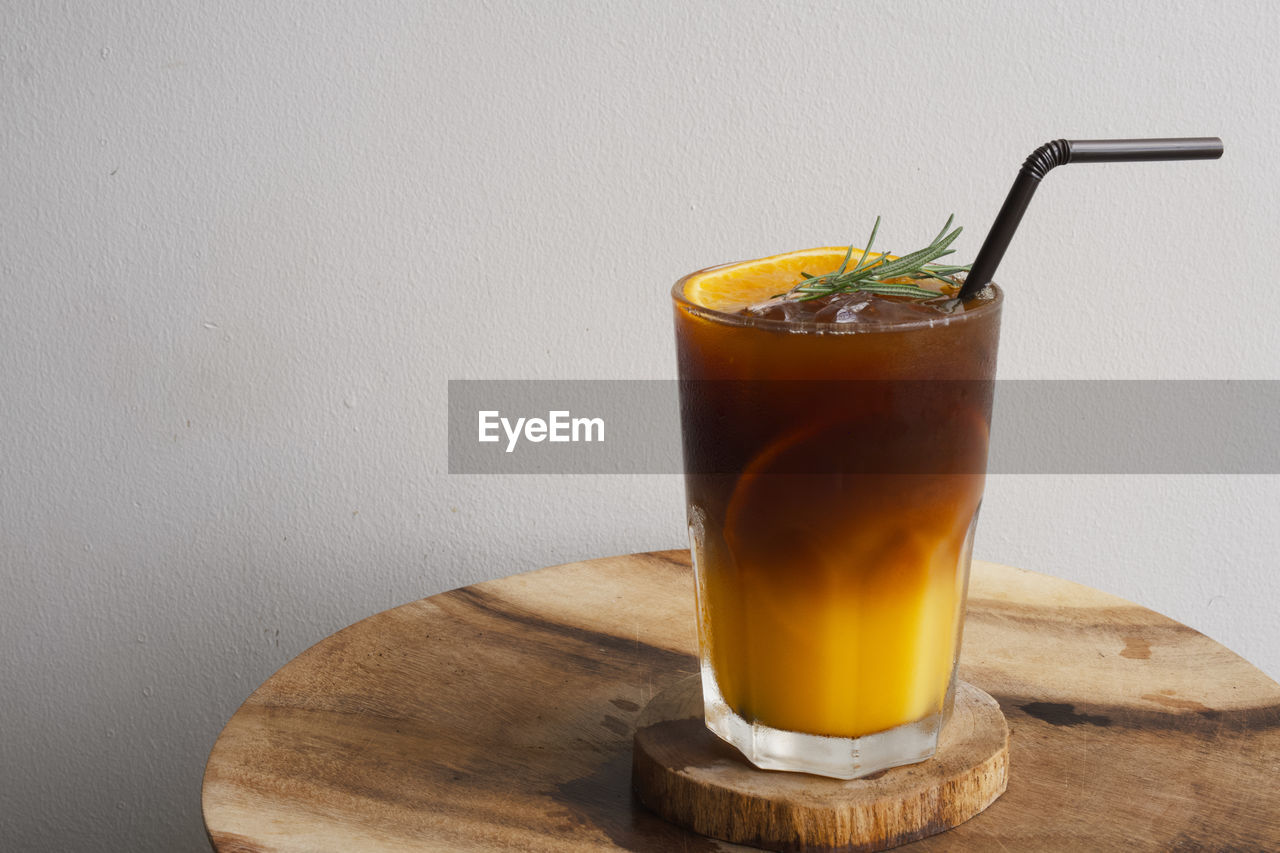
(875, 276)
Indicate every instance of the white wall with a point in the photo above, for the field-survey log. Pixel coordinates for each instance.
(244, 245)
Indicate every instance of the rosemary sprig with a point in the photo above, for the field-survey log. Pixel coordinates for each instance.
(882, 276)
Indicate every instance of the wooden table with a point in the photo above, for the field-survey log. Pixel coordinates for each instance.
(499, 716)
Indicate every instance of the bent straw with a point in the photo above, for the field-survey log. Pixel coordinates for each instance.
(1057, 153)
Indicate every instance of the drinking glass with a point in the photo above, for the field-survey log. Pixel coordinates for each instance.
(833, 473)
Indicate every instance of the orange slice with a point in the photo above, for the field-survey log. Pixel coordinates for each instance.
(731, 287)
(853, 478)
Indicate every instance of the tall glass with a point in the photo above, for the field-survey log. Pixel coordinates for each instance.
(833, 477)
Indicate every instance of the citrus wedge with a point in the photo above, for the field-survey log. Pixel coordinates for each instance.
(732, 287)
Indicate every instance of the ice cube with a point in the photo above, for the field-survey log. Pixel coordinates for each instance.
(846, 308)
(779, 308)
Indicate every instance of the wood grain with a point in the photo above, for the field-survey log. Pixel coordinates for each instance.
(689, 776)
(500, 716)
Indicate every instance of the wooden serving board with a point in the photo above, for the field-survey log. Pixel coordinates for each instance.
(690, 777)
(500, 716)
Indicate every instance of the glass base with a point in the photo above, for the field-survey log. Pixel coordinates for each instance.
(837, 757)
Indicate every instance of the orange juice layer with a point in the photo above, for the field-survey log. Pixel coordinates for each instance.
(826, 612)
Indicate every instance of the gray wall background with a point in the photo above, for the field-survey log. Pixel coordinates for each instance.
(243, 246)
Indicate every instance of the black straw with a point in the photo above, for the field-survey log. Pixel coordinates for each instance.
(1057, 153)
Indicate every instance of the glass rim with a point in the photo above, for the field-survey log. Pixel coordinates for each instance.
(994, 303)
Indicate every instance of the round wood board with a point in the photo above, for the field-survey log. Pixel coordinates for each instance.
(689, 776)
(500, 716)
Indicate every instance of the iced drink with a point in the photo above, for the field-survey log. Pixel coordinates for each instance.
(835, 453)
